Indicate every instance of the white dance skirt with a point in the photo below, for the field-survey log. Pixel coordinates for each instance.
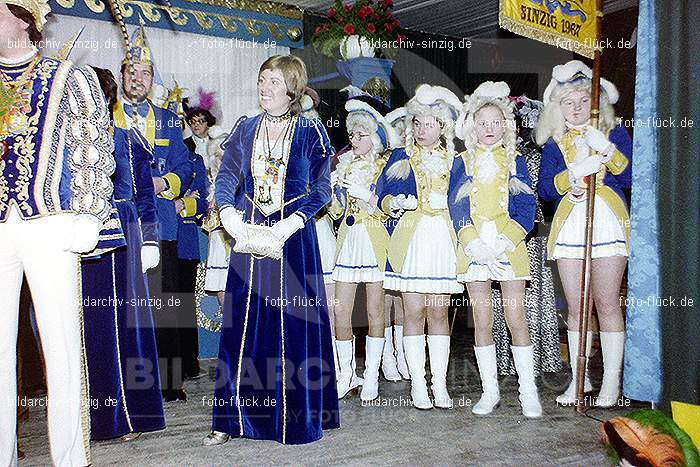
(217, 261)
(608, 235)
(356, 261)
(430, 266)
(501, 271)
(326, 246)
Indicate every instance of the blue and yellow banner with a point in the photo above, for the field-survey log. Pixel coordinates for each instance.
(567, 24)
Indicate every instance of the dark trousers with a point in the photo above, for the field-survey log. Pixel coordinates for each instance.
(163, 286)
(172, 286)
(189, 335)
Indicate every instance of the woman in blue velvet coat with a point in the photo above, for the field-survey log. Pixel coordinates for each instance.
(275, 378)
(120, 345)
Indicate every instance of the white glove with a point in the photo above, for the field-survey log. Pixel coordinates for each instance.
(502, 245)
(334, 178)
(361, 192)
(287, 226)
(84, 233)
(479, 251)
(232, 221)
(407, 203)
(497, 269)
(587, 166)
(596, 140)
(437, 201)
(150, 257)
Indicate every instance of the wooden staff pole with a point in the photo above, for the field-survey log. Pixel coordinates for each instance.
(584, 310)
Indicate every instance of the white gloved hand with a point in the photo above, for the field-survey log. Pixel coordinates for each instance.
(359, 191)
(437, 201)
(407, 203)
(287, 226)
(497, 269)
(587, 166)
(84, 233)
(232, 221)
(596, 140)
(479, 251)
(502, 245)
(150, 257)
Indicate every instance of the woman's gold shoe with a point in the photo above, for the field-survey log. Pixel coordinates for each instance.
(131, 436)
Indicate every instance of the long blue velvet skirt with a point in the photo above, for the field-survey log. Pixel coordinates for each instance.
(120, 344)
(275, 311)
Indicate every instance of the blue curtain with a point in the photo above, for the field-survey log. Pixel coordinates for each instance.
(642, 374)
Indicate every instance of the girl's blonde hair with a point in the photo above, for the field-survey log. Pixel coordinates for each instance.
(552, 124)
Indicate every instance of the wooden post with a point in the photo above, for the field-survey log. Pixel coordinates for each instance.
(584, 310)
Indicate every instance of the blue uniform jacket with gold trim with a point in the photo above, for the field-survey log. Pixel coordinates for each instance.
(553, 164)
(522, 206)
(171, 160)
(195, 210)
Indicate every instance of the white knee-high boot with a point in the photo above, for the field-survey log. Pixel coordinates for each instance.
(389, 363)
(488, 371)
(569, 396)
(335, 358)
(612, 345)
(400, 355)
(414, 346)
(525, 366)
(439, 351)
(347, 379)
(373, 357)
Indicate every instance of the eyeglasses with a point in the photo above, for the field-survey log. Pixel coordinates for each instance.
(357, 135)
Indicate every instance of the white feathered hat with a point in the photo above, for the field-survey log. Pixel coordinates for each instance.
(573, 71)
(434, 95)
(396, 115)
(387, 134)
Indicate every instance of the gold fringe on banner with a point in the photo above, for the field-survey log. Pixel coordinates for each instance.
(551, 38)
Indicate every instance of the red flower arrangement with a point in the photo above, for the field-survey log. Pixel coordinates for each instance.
(369, 18)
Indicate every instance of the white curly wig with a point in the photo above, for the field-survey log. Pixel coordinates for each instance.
(361, 119)
(488, 94)
(438, 102)
(552, 123)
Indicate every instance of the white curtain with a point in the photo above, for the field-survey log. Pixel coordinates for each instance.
(227, 66)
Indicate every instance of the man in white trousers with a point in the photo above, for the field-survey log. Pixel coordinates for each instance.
(55, 189)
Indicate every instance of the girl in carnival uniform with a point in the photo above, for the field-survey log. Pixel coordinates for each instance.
(394, 364)
(540, 303)
(572, 151)
(493, 208)
(422, 259)
(362, 243)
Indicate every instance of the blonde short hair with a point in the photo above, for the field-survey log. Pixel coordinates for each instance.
(295, 77)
